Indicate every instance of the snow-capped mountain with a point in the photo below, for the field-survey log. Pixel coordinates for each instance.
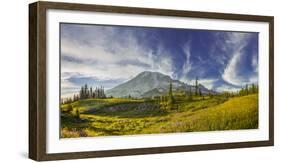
(148, 84)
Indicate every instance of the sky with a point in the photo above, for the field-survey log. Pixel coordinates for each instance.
(110, 55)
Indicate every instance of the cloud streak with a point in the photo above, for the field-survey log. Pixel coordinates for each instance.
(236, 43)
(187, 65)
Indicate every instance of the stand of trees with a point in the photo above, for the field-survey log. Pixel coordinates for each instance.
(166, 102)
(66, 100)
(249, 89)
(85, 93)
(197, 92)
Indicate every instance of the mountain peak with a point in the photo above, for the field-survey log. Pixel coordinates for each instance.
(151, 73)
(145, 73)
(154, 75)
(148, 83)
(143, 82)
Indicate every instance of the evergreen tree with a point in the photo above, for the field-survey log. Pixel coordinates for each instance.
(253, 89)
(242, 92)
(97, 92)
(246, 89)
(81, 93)
(170, 101)
(91, 92)
(196, 86)
(102, 92)
(86, 91)
(74, 97)
(170, 90)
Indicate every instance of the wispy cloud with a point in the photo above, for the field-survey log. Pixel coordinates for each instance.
(235, 43)
(255, 63)
(187, 65)
(230, 73)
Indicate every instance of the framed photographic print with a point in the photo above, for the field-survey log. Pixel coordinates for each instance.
(112, 81)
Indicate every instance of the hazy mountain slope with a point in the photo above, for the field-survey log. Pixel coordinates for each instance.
(142, 83)
(147, 84)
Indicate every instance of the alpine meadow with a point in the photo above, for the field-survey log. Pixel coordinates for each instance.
(126, 80)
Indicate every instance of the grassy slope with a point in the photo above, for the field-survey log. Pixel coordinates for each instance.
(210, 114)
(237, 113)
(86, 105)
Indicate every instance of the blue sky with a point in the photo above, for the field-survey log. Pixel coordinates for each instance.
(110, 55)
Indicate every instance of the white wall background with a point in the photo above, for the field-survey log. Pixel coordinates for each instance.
(14, 80)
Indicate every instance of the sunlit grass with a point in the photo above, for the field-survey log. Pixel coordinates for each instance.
(128, 116)
(237, 113)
